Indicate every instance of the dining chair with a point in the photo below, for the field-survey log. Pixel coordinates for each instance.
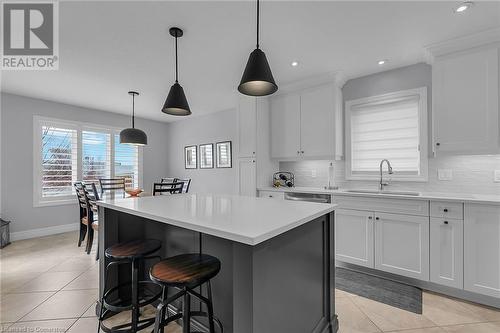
(112, 185)
(82, 206)
(172, 188)
(91, 198)
(186, 181)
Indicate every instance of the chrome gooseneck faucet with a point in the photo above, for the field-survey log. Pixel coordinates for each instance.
(389, 169)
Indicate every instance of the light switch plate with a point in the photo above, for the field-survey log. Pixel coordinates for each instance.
(445, 174)
(496, 178)
(313, 173)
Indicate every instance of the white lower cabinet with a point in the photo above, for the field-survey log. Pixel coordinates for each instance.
(354, 237)
(482, 249)
(402, 245)
(447, 252)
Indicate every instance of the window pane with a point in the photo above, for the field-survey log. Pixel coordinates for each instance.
(59, 156)
(96, 159)
(127, 162)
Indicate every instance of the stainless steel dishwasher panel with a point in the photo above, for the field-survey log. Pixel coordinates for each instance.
(310, 197)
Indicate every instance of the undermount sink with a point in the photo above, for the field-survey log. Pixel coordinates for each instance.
(385, 192)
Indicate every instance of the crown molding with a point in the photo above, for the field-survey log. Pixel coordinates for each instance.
(331, 77)
(482, 38)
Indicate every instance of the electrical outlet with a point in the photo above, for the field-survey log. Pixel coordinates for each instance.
(496, 179)
(445, 174)
(313, 173)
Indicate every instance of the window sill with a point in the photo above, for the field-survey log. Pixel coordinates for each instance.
(49, 203)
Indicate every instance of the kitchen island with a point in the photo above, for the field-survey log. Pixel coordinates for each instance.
(277, 256)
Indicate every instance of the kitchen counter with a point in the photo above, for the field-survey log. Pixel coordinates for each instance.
(266, 248)
(465, 197)
(242, 219)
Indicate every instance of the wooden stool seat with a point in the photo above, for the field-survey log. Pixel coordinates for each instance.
(185, 270)
(133, 249)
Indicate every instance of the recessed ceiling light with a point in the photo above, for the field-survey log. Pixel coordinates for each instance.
(295, 63)
(463, 6)
(382, 62)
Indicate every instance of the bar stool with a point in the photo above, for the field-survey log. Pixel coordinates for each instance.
(185, 272)
(134, 253)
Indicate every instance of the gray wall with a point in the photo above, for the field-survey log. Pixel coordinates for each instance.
(471, 174)
(17, 157)
(219, 126)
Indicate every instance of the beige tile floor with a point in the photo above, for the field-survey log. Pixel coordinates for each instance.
(50, 285)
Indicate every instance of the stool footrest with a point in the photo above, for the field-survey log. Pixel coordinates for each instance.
(127, 305)
(142, 324)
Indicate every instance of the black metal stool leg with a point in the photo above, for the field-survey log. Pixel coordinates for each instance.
(135, 296)
(210, 308)
(186, 309)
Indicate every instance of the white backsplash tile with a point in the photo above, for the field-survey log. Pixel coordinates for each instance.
(471, 174)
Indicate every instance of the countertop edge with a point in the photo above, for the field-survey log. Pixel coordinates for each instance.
(424, 196)
(252, 241)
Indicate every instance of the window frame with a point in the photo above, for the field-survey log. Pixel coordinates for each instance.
(38, 122)
(423, 134)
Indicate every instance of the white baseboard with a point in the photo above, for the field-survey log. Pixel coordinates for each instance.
(40, 232)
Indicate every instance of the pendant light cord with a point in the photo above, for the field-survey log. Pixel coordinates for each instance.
(133, 110)
(176, 61)
(258, 12)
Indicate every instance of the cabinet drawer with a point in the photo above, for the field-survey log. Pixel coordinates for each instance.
(447, 209)
(385, 205)
(271, 194)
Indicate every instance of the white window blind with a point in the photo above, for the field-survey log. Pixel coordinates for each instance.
(386, 130)
(126, 162)
(96, 156)
(58, 169)
(392, 126)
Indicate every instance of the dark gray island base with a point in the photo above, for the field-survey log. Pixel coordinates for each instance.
(284, 284)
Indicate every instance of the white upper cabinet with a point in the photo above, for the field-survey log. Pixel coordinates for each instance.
(307, 124)
(247, 124)
(285, 126)
(465, 102)
(317, 120)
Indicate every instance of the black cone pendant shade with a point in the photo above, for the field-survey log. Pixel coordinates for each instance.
(176, 103)
(257, 79)
(133, 135)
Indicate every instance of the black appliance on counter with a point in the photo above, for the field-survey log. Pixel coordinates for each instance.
(283, 178)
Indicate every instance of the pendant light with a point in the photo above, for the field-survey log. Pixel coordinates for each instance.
(133, 136)
(176, 103)
(257, 79)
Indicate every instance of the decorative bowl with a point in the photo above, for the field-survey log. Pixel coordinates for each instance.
(133, 192)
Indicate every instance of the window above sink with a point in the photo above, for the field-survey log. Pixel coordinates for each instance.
(391, 126)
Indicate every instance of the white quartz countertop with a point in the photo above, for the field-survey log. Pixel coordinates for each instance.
(247, 220)
(465, 197)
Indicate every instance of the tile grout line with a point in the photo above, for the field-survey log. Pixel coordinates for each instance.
(359, 308)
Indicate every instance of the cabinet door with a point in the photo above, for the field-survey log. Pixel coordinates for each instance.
(247, 176)
(285, 126)
(317, 121)
(446, 252)
(354, 237)
(247, 126)
(465, 113)
(402, 244)
(482, 249)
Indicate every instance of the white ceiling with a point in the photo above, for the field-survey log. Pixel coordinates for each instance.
(108, 48)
